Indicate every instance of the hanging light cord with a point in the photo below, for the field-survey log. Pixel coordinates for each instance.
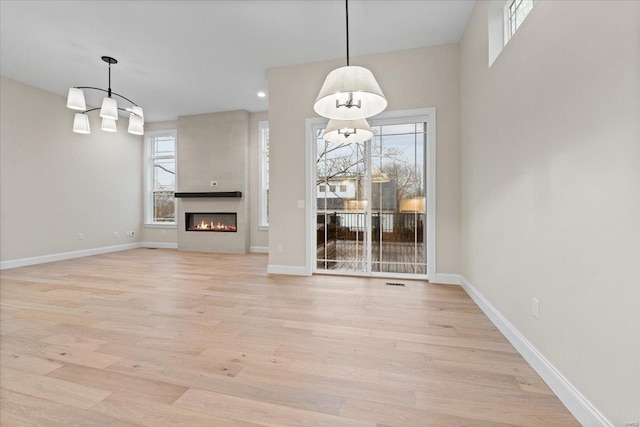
(346, 4)
(109, 80)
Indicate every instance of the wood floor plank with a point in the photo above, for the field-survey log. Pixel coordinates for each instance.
(151, 414)
(385, 393)
(26, 363)
(264, 390)
(20, 410)
(76, 343)
(55, 390)
(120, 385)
(163, 337)
(394, 415)
(260, 412)
(81, 357)
(473, 404)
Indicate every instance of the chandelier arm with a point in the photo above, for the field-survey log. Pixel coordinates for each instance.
(346, 5)
(121, 109)
(91, 87)
(106, 91)
(125, 98)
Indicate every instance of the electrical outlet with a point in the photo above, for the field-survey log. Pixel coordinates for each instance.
(80, 236)
(213, 183)
(300, 204)
(130, 233)
(535, 308)
(280, 248)
(115, 234)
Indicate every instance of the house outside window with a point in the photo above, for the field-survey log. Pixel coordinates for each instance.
(160, 206)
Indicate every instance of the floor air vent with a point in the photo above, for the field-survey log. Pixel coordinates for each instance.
(394, 284)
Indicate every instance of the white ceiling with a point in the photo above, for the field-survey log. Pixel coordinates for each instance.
(187, 57)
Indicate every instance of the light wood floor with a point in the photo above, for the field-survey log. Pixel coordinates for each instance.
(164, 338)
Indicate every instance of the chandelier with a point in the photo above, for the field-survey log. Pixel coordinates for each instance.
(351, 92)
(108, 110)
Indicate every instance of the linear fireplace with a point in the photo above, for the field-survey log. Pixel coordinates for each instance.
(211, 221)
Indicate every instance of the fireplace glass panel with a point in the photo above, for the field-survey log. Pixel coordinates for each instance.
(212, 221)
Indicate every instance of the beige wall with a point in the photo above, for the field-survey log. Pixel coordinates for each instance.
(416, 78)
(259, 238)
(551, 188)
(56, 183)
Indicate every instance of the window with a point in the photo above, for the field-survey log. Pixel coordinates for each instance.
(322, 188)
(263, 201)
(160, 206)
(505, 17)
(343, 188)
(515, 13)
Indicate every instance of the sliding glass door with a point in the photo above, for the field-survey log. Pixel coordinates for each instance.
(370, 201)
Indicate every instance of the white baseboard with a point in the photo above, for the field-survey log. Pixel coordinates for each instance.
(159, 245)
(23, 262)
(446, 279)
(286, 269)
(259, 249)
(576, 403)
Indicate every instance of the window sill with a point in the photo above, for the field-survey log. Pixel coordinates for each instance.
(263, 228)
(161, 225)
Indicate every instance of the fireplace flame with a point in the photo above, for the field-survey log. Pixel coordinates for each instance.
(215, 227)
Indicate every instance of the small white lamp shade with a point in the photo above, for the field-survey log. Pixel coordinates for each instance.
(109, 109)
(75, 99)
(350, 93)
(136, 125)
(81, 124)
(348, 131)
(138, 110)
(109, 125)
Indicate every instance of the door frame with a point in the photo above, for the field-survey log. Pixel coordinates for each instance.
(426, 114)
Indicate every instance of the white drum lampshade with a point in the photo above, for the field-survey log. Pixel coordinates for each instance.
(81, 124)
(350, 93)
(109, 125)
(136, 125)
(138, 110)
(75, 99)
(109, 109)
(348, 131)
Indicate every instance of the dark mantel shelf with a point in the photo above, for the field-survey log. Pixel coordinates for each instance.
(236, 194)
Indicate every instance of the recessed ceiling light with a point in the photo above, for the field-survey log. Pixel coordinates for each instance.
(261, 94)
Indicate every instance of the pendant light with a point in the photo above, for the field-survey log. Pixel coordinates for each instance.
(108, 110)
(347, 131)
(108, 125)
(136, 125)
(81, 123)
(351, 92)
